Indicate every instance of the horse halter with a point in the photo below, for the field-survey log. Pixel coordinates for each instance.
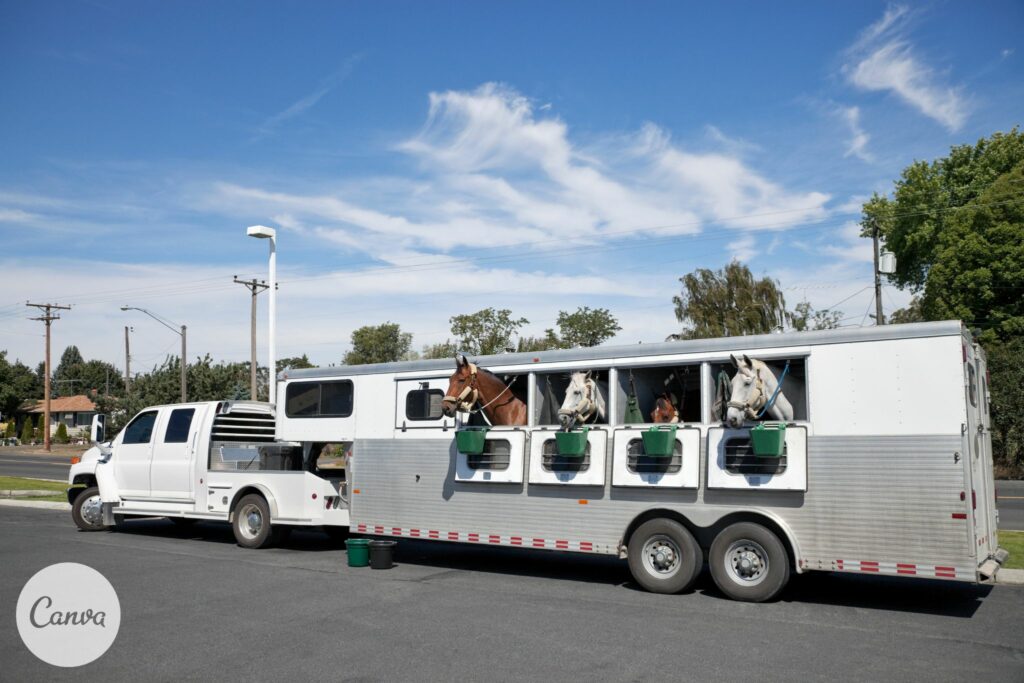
(585, 409)
(756, 398)
(469, 395)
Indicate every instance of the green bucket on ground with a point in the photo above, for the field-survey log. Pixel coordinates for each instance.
(768, 440)
(358, 552)
(471, 440)
(572, 444)
(660, 442)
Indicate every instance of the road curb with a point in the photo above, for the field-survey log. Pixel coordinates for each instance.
(27, 493)
(1010, 577)
(38, 504)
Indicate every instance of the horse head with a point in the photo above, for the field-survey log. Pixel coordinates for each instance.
(664, 410)
(753, 386)
(462, 391)
(583, 400)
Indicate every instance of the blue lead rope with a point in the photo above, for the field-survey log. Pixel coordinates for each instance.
(778, 388)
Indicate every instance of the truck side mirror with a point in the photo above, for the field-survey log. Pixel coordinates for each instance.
(98, 428)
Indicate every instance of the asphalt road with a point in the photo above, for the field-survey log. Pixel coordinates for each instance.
(196, 606)
(1010, 504)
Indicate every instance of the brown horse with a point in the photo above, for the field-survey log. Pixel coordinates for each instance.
(470, 385)
(664, 410)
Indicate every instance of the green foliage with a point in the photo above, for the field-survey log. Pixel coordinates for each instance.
(445, 349)
(728, 302)
(61, 436)
(27, 431)
(586, 326)
(74, 375)
(11, 430)
(384, 343)
(295, 363)
(39, 434)
(550, 340)
(911, 314)
(486, 332)
(1006, 391)
(804, 317)
(17, 384)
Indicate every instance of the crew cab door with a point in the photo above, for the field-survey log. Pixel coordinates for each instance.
(133, 454)
(174, 453)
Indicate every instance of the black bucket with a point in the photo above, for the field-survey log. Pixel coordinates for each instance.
(382, 554)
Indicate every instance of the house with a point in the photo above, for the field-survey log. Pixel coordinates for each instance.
(74, 411)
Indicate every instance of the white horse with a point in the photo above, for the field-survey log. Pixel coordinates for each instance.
(584, 400)
(753, 385)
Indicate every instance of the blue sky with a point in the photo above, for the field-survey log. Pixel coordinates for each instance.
(426, 159)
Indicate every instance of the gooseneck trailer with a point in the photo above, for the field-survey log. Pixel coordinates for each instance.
(885, 467)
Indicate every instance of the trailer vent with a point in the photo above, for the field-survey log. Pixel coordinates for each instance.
(496, 455)
(740, 458)
(640, 463)
(244, 426)
(551, 461)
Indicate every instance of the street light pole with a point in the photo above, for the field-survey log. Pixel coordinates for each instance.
(263, 232)
(184, 353)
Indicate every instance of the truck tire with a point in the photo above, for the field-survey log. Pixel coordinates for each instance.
(252, 523)
(87, 511)
(749, 563)
(664, 557)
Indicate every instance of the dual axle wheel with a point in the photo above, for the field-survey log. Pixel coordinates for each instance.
(747, 561)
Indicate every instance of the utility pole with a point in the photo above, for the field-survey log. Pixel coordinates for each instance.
(254, 287)
(48, 317)
(170, 326)
(127, 365)
(879, 317)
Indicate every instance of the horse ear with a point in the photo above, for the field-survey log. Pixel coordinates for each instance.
(460, 360)
(735, 363)
(589, 373)
(747, 359)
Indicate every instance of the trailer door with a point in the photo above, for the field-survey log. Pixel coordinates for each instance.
(981, 496)
(986, 512)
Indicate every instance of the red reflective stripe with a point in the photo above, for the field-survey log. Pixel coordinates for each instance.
(839, 564)
(868, 566)
(414, 532)
(906, 568)
(517, 540)
(453, 535)
(474, 537)
(396, 530)
(586, 545)
(361, 528)
(959, 515)
(494, 539)
(378, 529)
(538, 543)
(945, 569)
(433, 534)
(561, 544)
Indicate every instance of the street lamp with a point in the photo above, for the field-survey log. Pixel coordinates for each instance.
(263, 232)
(169, 325)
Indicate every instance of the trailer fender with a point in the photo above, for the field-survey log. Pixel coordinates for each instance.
(774, 523)
(254, 488)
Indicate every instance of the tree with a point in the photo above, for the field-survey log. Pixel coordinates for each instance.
(487, 331)
(10, 431)
(586, 327)
(384, 343)
(295, 363)
(445, 349)
(40, 426)
(550, 340)
(17, 384)
(61, 436)
(804, 317)
(728, 302)
(911, 314)
(27, 431)
(1006, 391)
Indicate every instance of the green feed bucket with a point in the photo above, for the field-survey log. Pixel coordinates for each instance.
(768, 440)
(358, 552)
(660, 443)
(572, 444)
(471, 441)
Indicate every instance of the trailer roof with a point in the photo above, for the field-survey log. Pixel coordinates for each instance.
(719, 344)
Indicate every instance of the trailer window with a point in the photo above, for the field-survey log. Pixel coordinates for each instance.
(972, 385)
(319, 399)
(638, 462)
(178, 425)
(639, 390)
(496, 456)
(551, 461)
(740, 458)
(424, 404)
(140, 430)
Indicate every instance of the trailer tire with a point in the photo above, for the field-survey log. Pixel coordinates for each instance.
(251, 523)
(749, 563)
(87, 511)
(664, 557)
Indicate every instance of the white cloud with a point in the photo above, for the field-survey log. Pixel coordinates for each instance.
(847, 244)
(883, 59)
(743, 249)
(308, 101)
(858, 142)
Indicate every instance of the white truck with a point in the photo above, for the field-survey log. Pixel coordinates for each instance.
(213, 460)
(885, 467)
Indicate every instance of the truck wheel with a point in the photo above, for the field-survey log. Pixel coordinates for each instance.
(749, 563)
(252, 522)
(664, 557)
(87, 510)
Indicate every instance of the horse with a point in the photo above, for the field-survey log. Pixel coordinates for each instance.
(664, 410)
(470, 385)
(584, 401)
(753, 385)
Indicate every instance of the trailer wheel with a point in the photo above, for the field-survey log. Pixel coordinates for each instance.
(252, 523)
(87, 510)
(664, 557)
(749, 563)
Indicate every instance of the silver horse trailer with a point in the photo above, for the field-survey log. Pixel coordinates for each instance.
(884, 467)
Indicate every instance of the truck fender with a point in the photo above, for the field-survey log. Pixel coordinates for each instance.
(107, 483)
(253, 488)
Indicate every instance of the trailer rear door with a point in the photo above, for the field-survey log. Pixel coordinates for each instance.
(979, 453)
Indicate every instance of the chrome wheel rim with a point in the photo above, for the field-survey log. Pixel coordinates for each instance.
(662, 556)
(92, 511)
(746, 562)
(250, 521)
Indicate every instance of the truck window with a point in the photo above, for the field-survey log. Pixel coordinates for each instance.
(423, 404)
(140, 430)
(178, 425)
(319, 399)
